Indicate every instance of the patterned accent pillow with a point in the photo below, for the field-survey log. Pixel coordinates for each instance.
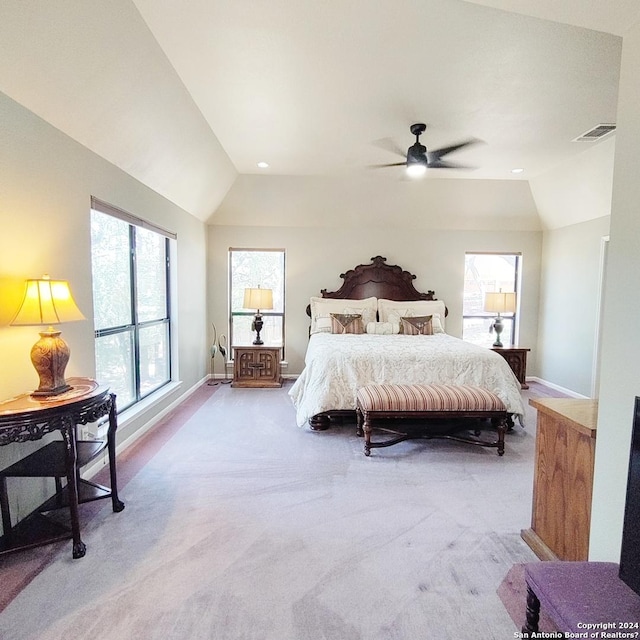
(346, 323)
(419, 326)
(396, 316)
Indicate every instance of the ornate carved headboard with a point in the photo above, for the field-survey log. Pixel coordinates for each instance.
(378, 279)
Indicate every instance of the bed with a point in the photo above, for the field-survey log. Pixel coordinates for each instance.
(338, 364)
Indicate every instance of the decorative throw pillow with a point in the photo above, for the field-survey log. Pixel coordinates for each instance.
(321, 308)
(396, 316)
(346, 323)
(419, 326)
(383, 328)
(368, 315)
(393, 310)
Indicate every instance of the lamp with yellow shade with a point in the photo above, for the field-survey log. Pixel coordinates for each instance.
(499, 302)
(48, 302)
(258, 299)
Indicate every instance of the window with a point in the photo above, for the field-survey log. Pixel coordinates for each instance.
(250, 268)
(484, 272)
(130, 268)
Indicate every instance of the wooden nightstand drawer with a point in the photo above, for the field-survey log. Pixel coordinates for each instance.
(517, 359)
(257, 366)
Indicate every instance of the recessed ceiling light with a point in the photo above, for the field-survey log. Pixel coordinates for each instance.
(263, 165)
(517, 170)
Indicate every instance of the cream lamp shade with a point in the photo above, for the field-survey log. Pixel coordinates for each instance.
(258, 299)
(48, 302)
(499, 302)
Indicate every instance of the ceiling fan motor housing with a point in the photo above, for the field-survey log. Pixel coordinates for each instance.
(416, 153)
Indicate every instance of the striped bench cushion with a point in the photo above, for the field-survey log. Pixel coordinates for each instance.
(427, 397)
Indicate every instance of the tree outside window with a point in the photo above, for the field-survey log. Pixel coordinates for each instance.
(130, 268)
(250, 268)
(485, 272)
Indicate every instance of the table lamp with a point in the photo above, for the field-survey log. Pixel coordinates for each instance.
(48, 302)
(258, 299)
(499, 302)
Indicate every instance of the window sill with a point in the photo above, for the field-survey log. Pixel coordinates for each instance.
(131, 414)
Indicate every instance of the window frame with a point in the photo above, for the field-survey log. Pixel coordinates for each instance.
(266, 313)
(135, 326)
(511, 318)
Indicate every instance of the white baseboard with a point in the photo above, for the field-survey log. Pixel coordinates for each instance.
(557, 387)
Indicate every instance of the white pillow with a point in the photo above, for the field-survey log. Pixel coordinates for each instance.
(383, 328)
(393, 310)
(321, 308)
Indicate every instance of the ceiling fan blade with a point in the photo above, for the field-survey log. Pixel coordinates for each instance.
(389, 145)
(393, 164)
(443, 164)
(436, 154)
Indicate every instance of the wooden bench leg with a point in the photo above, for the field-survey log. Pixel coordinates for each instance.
(533, 613)
(501, 425)
(367, 434)
(365, 427)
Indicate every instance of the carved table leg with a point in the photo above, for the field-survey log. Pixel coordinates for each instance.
(71, 457)
(4, 507)
(116, 503)
(533, 613)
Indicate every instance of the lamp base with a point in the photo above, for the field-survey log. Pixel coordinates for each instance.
(49, 357)
(53, 392)
(257, 327)
(497, 327)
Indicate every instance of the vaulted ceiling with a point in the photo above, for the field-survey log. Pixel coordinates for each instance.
(186, 95)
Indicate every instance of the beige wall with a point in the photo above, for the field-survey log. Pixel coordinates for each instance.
(569, 304)
(620, 374)
(379, 199)
(315, 258)
(47, 182)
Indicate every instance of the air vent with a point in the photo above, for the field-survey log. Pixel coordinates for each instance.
(596, 133)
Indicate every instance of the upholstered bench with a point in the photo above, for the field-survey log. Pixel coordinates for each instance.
(418, 402)
(581, 597)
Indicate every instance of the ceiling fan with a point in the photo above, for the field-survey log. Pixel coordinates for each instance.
(419, 158)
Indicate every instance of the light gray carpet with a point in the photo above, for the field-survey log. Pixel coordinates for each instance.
(244, 526)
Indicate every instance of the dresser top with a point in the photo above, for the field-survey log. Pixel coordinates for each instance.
(580, 413)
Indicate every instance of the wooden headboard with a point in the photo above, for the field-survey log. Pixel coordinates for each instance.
(378, 279)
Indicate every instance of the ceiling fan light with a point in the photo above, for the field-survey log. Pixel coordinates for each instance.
(415, 170)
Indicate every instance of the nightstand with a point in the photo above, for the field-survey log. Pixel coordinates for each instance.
(257, 366)
(517, 359)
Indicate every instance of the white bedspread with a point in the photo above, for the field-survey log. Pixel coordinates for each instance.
(337, 365)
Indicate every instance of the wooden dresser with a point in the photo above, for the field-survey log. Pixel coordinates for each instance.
(257, 366)
(563, 478)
